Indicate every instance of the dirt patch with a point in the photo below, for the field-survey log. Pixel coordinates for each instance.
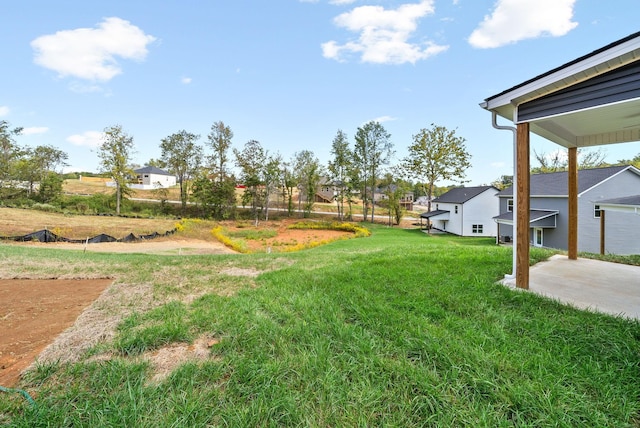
(58, 320)
(160, 246)
(33, 312)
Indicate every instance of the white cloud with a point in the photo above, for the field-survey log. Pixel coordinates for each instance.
(186, 80)
(92, 53)
(86, 88)
(4, 110)
(515, 20)
(341, 2)
(383, 34)
(383, 119)
(497, 164)
(35, 130)
(92, 139)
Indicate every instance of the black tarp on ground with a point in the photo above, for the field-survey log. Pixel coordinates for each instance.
(48, 236)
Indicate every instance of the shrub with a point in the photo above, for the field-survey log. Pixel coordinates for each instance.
(46, 208)
(359, 231)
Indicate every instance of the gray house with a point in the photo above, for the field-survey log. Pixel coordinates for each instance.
(549, 218)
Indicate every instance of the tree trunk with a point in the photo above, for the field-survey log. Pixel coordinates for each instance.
(118, 198)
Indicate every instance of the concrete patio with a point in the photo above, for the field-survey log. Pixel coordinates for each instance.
(606, 287)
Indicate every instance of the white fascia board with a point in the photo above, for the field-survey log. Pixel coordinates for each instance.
(591, 66)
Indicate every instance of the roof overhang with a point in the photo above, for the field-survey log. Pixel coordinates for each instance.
(537, 218)
(598, 121)
(436, 215)
(629, 204)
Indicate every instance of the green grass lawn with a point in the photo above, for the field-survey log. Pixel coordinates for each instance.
(398, 329)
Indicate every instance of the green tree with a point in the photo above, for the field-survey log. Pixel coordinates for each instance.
(394, 190)
(115, 152)
(217, 187)
(9, 152)
(635, 161)
(308, 173)
(220, 142)
(50, 188)
(39, 163)
(158, 163)
(251, 161)
(288, 180)
(503, 182)
(558, 160)
(339, 168)
(182, 156)
(373, 149)
(436, 154)
(271, 178)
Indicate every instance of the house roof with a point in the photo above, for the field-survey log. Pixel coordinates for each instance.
(460, 195)
(557, 183)
(433, 213)
(534, 215)
(586, 102)
(151, 170)
(627, 200)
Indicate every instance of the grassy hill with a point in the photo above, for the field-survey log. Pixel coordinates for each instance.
(397, 329)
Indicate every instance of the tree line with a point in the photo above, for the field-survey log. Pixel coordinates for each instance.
(208, 173)
(354, 173)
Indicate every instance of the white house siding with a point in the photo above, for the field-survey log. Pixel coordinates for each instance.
(454, 224)
(481, 210)
(622, 233)
(478, 210)
(149, 179)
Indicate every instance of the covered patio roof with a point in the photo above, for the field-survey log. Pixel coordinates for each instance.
(537, 218)
(630, 204)
(436, 215)
(590, 101)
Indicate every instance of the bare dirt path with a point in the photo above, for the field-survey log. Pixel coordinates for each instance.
(33, 312)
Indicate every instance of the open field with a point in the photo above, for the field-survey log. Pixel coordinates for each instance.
(397, 329)
(93, 186)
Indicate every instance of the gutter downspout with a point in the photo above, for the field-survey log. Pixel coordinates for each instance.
(494, 122)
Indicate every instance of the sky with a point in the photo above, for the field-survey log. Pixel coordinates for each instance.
(287, 73)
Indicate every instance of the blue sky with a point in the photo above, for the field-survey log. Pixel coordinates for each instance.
(287, 73)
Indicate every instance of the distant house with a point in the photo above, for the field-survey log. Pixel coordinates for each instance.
(406, 200)
(151, 177)
(326, 191)
(549, 218)
(465, 211)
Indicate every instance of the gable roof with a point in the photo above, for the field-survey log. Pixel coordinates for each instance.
(557, 183)
(151, 170)
(460, 195)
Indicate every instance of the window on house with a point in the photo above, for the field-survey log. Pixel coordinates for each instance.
(456, 209)
(476, 228)
(437, 207)
(510, 205)
(596, 211)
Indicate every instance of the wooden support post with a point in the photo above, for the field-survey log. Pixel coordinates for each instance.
(523, 205)
(602, 240)
(573, 203)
